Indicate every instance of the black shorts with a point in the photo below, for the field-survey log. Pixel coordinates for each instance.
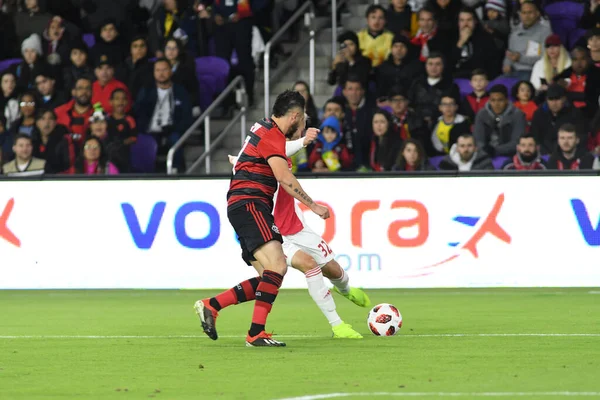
(254, 224)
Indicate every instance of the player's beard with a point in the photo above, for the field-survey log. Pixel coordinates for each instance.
(292, 130)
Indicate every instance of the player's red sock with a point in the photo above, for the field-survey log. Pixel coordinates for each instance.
(243, 292)
(265, 297)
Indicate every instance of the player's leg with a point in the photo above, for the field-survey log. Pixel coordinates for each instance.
(340, 280)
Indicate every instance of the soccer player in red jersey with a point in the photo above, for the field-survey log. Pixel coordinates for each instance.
(261, 165)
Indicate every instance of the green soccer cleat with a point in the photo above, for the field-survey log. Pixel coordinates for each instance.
(357, 296)
(345, 331)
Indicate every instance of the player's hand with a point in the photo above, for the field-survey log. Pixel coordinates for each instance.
(320, 210)
(311, 136)
(232, 159)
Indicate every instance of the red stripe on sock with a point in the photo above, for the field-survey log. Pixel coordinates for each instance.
(313, 272)
(262, 308)
(248, 290)
(227, 298)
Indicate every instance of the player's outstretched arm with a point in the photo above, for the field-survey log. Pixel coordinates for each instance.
(294, 146)
(290, 184)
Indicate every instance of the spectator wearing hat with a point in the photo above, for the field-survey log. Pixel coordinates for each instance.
(553, 62)
(496, 23)
(24, 163)
(400, 69)
(474, 48)
(32, 63)
(375, 41)
(136, 71)
(49, 96)
(400, 19)
(525, 44)
(78, 66)
(499, 124)
(574, 78)
(50, 143)
(75, 114)
(106, 83)
(592, 86)
(551, 115)
(329, 153)
(349, 61)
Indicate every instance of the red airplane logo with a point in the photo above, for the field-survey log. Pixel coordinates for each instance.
(6, 233)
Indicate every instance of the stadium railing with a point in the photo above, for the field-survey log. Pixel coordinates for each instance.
(240, 89)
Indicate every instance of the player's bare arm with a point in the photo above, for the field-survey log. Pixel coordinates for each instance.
(290, 184)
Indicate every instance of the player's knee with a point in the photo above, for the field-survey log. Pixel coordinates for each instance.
(332, 270)
(303, 262)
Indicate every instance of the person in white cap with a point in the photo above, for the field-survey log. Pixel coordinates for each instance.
(32, 64)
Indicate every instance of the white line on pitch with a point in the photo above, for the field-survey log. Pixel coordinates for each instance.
(445, 394)
(441, 335)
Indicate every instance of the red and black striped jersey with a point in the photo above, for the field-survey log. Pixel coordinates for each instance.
(253, 178)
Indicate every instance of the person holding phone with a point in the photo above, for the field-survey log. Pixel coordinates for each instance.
(553, 62)
(349, 61)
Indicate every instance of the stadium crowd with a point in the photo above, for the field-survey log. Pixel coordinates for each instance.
(428, 84)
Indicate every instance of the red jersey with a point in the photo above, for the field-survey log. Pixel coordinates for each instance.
(286, 211)
(77, 124)
(253, 179)
(102, 94)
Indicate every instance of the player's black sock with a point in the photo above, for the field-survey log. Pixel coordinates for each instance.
(243, 292)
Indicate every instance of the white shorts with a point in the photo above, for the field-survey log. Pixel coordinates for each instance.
(310, 243)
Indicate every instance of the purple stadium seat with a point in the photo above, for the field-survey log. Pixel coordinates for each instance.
(213, 75)
(546, 157)
(435, 161)
(564, 18)
(89, 39)
(338, 91)
(5, 64)
(506, 81)
(498, 162)
(464, 86)
(143, 154)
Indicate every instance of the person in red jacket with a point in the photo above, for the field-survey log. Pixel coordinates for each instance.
(329, 154)
(76, 113)
(106, 83)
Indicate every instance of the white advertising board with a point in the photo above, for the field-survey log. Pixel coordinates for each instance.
(386, 232)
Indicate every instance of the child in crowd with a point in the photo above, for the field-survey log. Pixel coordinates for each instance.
(476, 100)
(523, 92)
(329, 154)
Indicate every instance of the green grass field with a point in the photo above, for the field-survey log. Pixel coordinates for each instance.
(513, 343)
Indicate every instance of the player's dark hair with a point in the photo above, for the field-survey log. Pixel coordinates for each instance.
(287, 101)
(568, 127)
(499, 89)
(374, 8)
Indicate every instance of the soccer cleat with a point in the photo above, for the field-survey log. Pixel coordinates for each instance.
(356, 295)
(345, 331)
(263, 339)
(208, 317)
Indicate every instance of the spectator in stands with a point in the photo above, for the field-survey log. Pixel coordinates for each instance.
(400, 69)
(593, 143)
(527, 156)
(50, 143)
(523, 92)
(122, 127)
(446, 12)
(358, 114)
(3, 138)
(56, 42)
(93, 159)
(175, 19)
(184, 71)
(400, 19)
(375, 42)
(477, 99)
(32, 63)
(465, 156)
(9, 98)
(499, 125)
(569, 155)
(310, 109)
(48, 95)
(427, 39)
(426, 92)
(25, 124)
(136, 72)
(574, 78)
(114, 146)
(496, 23)
(106, 83)
(24, 163)
(591, 15)
(75, 114)
(554, 113)
(330, 154)
(525, 42)
(553, 62)
(349, 61)
(412, 157)
(592, 84)
(125, 14)
(30, 19)
(78, 67)
(109, 42)
(164, 109)
(386, 144)
(233, 20)
(334, 106)
(9, 42)
(474, 48)
(449, 126)
(406, 123)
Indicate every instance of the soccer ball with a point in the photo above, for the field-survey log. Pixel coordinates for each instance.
(384, 320)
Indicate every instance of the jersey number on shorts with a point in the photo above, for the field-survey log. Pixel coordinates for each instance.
(324, 248)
